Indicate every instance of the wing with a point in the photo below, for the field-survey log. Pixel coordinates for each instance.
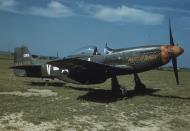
(79, 64)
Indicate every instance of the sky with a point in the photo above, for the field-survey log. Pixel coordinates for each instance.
(51, 26)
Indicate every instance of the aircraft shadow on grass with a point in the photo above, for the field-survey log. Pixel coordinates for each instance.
(107, 96)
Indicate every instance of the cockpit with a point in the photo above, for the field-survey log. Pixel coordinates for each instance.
(85, 52)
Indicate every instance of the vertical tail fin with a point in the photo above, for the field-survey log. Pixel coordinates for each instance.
(108, 50)
(22, 56)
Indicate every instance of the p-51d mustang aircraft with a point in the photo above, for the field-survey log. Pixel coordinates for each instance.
(88, 66)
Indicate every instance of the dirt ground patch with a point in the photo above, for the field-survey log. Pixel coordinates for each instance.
(32, 92)
(15, 121)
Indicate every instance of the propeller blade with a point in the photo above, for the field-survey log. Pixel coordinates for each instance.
(174, 59)
(174, 62)
(171, 36)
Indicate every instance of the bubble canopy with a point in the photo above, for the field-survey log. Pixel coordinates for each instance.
(85, 51)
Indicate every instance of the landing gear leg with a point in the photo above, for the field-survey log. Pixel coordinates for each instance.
(116, 88)
(139, 86)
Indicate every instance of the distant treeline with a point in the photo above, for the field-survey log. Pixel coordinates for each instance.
(171, 68)
(9, 55)
(6, 55)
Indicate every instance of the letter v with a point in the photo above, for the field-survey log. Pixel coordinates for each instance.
(48, 69)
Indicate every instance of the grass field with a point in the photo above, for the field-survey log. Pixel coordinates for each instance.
(28, 104)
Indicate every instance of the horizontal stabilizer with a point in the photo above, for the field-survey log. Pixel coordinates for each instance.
(27, 70)
(25, 67)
